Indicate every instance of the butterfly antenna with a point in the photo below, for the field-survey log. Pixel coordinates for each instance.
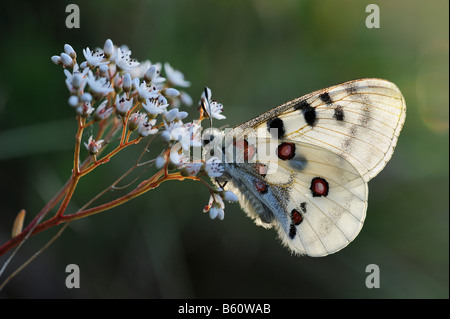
(203, 104)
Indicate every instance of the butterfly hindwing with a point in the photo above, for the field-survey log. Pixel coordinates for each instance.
(315, 199)
(327, 202)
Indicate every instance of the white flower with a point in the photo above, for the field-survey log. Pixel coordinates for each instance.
(153, 107)
(124, 62)
(93, 146)
(216, 212)
(146, 92)
(146, 128)
(123, 105)
(139, 71)
(212, 107)
(99, 87)
(85, 109)
(177, 158)
(75, 81)
(214, 167)
(175, 77)
(215, 207)
(215, 109)
(191, 169)
(195, 134)
(94, 58)
(135, 120)
(153, 75)
(175, 131)
(103, 112)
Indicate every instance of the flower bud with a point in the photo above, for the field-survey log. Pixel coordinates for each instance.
(126, 84)
(70, 51)
(66, 60)
(56, 59)
(160, 161)
(77, 80)
(73, 100)
(151, 73)
(86, 97)
(108, 48)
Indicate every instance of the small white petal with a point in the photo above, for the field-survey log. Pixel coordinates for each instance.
(229, 196)
(185, 98)
(171, 92)
(181, 115)
(171, 115)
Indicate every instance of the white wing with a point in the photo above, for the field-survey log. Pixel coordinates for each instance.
(316, 200)
(317, 154)
(359, 120)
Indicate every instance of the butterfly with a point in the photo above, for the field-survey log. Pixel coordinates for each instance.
(303, 167)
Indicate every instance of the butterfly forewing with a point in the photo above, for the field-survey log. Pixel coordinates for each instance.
(359, 120)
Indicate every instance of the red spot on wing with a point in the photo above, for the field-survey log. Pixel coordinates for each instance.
(286, 151)
(296, 217)
(262, 169)
(319, 187)
(260, 186)
(243, 146)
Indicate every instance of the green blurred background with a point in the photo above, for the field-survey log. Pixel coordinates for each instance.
(254, 55)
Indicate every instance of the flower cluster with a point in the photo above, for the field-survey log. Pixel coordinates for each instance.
(110, 87)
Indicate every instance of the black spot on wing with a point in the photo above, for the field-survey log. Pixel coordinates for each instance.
(292, 231)
(338, 113)
(352, 89)
(325, 97)
(309, 112)
(276, 128)
(303, 207)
